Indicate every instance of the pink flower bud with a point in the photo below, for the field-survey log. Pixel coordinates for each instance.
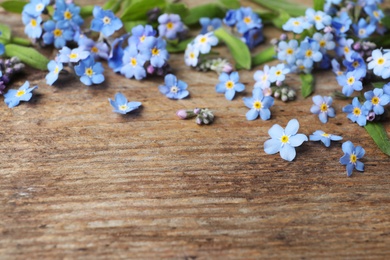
(182, 114)
(227, 68)
(150, 69)
(267, 92)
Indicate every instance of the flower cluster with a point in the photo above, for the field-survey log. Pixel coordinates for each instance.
(198, 48)
(203, 115)
(8, 68)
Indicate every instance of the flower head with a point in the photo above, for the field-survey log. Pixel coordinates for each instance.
(229, 84)
(174, 88)
(322, 108)
(191, 55)
(154, 49)
(139, 34)
(105, 21)
(288, 51)
(351, 156)
(54, 69)
(296, 25)
(74, 55)
(284, 140)
(90, 72)
(203, 42)
(121, 105)
(325, 138)
(247, 20)
(209, 25)
(259, 105)
(13, 96)
(67, 14)
(351, 81)
(357, 112)
(35, 7)
(278, 73)
(318, 18)
(32, 24)
(170, 26)
(133, 63)
(59, 33)
(262, 78)
(375, 100)
(380, 63)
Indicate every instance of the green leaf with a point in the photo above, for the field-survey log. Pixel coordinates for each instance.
(177, 8)
(281, 19)
(378, 84)
(230, 4)
(264, 56)
(13, 6)
(238, 49)
(86, 11)
(378, 133)
(27, 55)
(130, 25)
(5, 33)
(21, 41)
(293, 9)
(179, 47)
(319, 5)
(210, 10)
(137, 9)
(307, 84)
(113, 5)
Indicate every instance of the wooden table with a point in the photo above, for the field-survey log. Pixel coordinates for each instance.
(81, 182)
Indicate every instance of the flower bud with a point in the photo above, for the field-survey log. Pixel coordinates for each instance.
(371, 116)
(267, 92)
(184, 114)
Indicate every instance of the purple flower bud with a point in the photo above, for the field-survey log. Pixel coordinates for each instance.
(182, 114)
(9, 71)
(198, 121)
(8, 63)
(267, 92)
(283, 37)
(5, 79)
(197, 111)
(150, 69)
(279, 83)
(227, 68)
(357, 46)
(371, 116)
(328, 29)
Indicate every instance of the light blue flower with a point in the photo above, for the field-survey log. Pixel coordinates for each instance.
(35, 7)
(351, 81)
(170, 26)
(284, 140)
(325, 41)
(90, 72)
(310, 52)
(374, 12)
(262, 78)
(318, 18)
(351, 157)
(72, 55)
(364, 29)
(325, 138)
(376, 100)
(278, 73)
(203, 42)
(154, 49)
(57, 33)
(174, 88)
(13, 96)
(247, 20)
(209, 25)
(355, 62)
(133, 63)
(54, 69)
(296, 25)
(115, 59)
(139, 34)
(322, 108)
(229, 84)
(344, 47)
(342, 23)
(357, 112)
(259, 105)
(336, 68)
(121, 105)
(96, 49)
(191, 55)
(105, 21)
(380, 63)
(32, 24)
(288, 51)
(67, 14)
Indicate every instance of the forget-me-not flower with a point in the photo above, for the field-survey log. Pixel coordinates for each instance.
(364, 29)
(96, 49)
(288, 51)
(310, 52)
(121, 105)
(204, 42)
(54, 68)
(13, 96)
(325, 138)
(72, 55)
(247, 20)
(351, 81)
(259, 105)
(284, 140)
(357, 112)
(209, 25)
(170, 26)
(154, 49)
(322, 108)
(174, 88)
(278, 73)
(133, 63)
(351, 157)
(105, 21)
(318, 18)
(380, 63)
(139, 34)
(375, 100)
(32, 24)
(90, 72)
(229, 84)
(57, 33)
(35, 7)
(67, 14)
(191, 55)
(296, 25)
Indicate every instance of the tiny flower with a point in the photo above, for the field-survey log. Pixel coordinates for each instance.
(324, 137)
(133, 63)
(57, 33)
(376, 99)
(68, 14)
(35, 7)
(229, 84)
(90, 72)
(13, 96)
(310, 52)
(174, 88)
(96, 49)
(363, 29)
(296, 25)
(203, 42)
(380, 63)
(139, 33)
(262, 78)
(259, 105)
(284, 140)
(287, 51)
(247, 20)
(322, 108)
(154, 49)
(115, 61)
(278, 73)
(318, 18)
(325, 41)
(54, 69)
(170, 26)
(351, 81)
(191, 55)
(357, 112)
(74, 55)
(105, 21)
(209, 25)
(33, 27)
(351, 156)
(121, 105)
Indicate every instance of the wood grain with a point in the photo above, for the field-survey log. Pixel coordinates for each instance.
(80, 182)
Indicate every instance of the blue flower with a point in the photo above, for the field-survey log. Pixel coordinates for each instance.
(284, 140)
(74, 55)
(380, 63)
(116, 54)
(351, 156)
(170, 26)
(362, 29)
(278, 73)
(376, 99)
(203, 42)
(90, 72)
(259, 105)
(96, 49)
(322, 108)
(374, 12)
(209, 25)
(357, 112)
(310, 52)
(351, 81)
(336, 68)
(325, 41)
(54, 69)
(105, 21)
(121, 105)
(154, 49)
(324, 137)
(288, 51)
(174, 88)
(67, 14)
(342, 23)
(13, 96)
(139, 34)
(191, 55)
(32, 24)
(253, 37)
(344, 47)
(355, 62)
(318, 18)
(230, 18)
(2, 49)
(57, 33)
(133, 63)
(296, 25)
(262, 78)
(247, 20)
(229, 84)
(35, 7)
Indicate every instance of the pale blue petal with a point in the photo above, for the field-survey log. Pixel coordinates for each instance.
(323, 117)
(325, 141)
(348, 147)
(359, 166)
(272, 146)
(229, 94)
(292, 127)
(287, 152)
(297, 140)
(252, 114)
(314, 137)
(276, 131)
(265, 114)
(349, 169)
(359, 151)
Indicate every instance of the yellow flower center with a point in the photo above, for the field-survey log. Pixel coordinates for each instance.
(67, 15)
(39, 7)
(155, 51)
(229, 84)
(380, 61)
(106, 20)
(346, 49)
(89, 72)
(123, 107)
(20, 93)
(350, 80)
(56, 70)
(203, 40)
(170, 25)
(73, 56)
(133, 62)
(356, 111)
(317, 18)
(192, 55)
(355, 64)
(353, 158)
(290, 51)
(376, 14)
(33, 22)
(278, 73)
(142, 38)
(57, 33)
(174, 89)
(322, 43)
(257, 105)
(94, 49)
(309, 53)
(247, 20)
(326, 135)
(375, 100)
(324, 107)
(296, 23)
(284, 139)
(264, 78)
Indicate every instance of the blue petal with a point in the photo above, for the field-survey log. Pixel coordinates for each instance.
(348, 147)
(314, 137)
(234, 76)
(276, 131)
(359, 151)
(272, 146)
(239, 87)
(315, 109)
(86, 80)
(252, 114)
(134, 104)
(265, 114)
(297, 140)
(359, 166)
(170, 80)
(164, 89)
(335, 138)
(325, 141)
(287, 152)
(182, 94)
(120, 99)
(220, 87)
(292, 127)
(318, 100)
(323, 117)
(25, 97)
(349, 169)
(229, 94)
(248, 102)
(97, 78)
(223, 77)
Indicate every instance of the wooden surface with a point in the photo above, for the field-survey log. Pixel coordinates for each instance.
(81, 182)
